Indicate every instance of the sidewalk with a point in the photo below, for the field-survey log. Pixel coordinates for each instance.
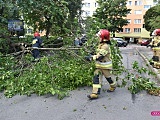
(147, 55)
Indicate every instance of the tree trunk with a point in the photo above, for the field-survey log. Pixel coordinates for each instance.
(49, 25)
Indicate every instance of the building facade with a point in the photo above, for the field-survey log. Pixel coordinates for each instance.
(89, 7)
(135, 29)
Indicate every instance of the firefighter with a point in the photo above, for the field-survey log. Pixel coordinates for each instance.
(156, 38)
(156, 49)
(103, 65)
(36, 43)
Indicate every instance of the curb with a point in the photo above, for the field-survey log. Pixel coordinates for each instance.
(149, 66)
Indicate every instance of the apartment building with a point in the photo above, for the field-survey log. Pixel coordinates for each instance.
(89, 7)
(135, 29)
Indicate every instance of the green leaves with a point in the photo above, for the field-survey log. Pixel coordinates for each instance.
(140, 83)
(54, 75)
(118, 67)
(151, 18)
(111, 13)
(53, 16)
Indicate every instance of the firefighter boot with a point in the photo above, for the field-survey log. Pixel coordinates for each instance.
(92, 96)
(112, 85)
(96, 88)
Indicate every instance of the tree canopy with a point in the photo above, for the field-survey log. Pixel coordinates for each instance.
(112, 14)
(152, 18)
(46, 14)
(51, 15)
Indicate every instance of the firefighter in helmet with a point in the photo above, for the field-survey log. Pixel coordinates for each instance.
(103, 64)
(36, 43)
(156, 38)
(156, 48)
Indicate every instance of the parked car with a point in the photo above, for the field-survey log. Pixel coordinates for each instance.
(121, 42)
(144, 42)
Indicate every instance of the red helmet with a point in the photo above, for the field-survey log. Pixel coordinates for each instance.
(104, 35)
(157, 32)
(36, 34)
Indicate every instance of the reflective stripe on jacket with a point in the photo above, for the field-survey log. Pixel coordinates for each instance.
(104, 65)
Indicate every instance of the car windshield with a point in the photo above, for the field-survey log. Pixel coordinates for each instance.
(145, 40)
(118, 39)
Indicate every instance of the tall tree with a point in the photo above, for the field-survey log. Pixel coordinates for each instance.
(50, 15)
(8, 10)
(92, 25)
(74, 7)
(112, 13)
(152, 18)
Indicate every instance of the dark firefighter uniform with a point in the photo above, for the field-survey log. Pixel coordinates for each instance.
(36, 43)
(103, 65)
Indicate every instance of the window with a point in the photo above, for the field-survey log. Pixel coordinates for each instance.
(138, 12)
(29, 31)
(143, 25)
(94, 12)
(120, 29)
(95, 4)
(87, 5)
(137, 21)
(129, 21)
(138, 3)
(87, 13)
(129, 12)
(147, 7)
(129, 3)
(155, 3)
(137, 30)
(127, 30)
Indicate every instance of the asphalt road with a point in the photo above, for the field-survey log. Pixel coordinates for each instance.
(119, 105)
